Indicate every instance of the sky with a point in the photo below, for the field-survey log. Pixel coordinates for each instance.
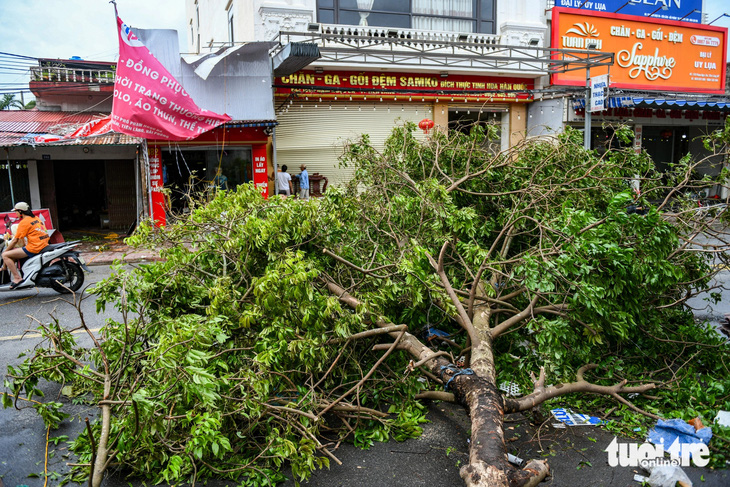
(86, 28)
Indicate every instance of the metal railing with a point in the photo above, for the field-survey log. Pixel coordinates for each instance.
(72, 75)
(354, 45)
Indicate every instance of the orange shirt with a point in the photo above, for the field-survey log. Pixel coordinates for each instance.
(35, 231)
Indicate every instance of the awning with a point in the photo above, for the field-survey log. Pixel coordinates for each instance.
(683, 104)
(611, 102)
(664, 103)
(295, 56)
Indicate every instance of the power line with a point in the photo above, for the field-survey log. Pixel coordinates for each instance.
(18, 56)
(8, 68)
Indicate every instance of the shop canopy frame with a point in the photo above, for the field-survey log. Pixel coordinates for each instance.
(458, 51)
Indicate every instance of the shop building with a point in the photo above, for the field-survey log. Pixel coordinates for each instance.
(668, 81)
(235, 80)
(111, 180)
(90, 183)
(344, 68)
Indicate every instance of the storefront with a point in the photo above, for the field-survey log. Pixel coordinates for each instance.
(318, 111)
(88, 183)
(667, 83)
(188, 169)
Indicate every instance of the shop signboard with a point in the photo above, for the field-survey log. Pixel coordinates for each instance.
(599, 87)
(659, 55)
(9, 218)
(684, 10)
(397, 86)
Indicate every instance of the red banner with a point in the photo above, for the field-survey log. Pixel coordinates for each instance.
(157, 197)
(260, 174)
(149, 102)
(94, 127)
(413, 85)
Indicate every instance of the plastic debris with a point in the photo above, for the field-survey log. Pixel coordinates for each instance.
(430, 333)
(697, 423)
(672, 430)
(510, 388)
(569, 418)
(667, 476)
(515, 460)
(723, 418)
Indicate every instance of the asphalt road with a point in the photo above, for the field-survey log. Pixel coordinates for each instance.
(576, 455)
(22, 442)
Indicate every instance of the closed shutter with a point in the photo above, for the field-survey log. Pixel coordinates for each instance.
(315, 136)
(121, 194)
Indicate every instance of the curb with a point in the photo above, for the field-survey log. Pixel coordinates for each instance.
(108, 258)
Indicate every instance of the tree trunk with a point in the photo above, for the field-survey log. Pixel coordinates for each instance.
(477, 392)
(102, 451)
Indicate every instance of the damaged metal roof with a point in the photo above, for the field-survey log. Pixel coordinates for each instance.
(21, 127)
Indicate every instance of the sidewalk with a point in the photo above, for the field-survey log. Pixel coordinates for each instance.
(125, 254)
(105, 249)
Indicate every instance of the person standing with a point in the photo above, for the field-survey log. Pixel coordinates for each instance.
(220, 181)
(283, 179)
(30, 227)
(303, 182)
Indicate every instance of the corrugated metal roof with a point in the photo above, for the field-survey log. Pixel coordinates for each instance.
(10, 138)
(19, 127)
(34, 121)
(106, 139)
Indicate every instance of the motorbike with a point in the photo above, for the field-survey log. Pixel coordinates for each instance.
(58, 266)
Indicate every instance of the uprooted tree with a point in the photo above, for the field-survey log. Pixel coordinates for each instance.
(275, 329)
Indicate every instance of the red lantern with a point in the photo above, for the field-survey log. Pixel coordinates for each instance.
(425, 125)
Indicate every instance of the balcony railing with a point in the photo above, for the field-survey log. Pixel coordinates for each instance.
(72, 75)
(405, 35)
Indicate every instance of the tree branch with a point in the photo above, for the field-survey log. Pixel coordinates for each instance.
(509, 322)
(542, 394)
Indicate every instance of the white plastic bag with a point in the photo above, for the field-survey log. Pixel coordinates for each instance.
(668, 476)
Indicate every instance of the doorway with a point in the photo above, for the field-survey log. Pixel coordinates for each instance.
(80, 188)
(189, 173)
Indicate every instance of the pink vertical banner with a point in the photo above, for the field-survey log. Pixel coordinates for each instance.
(157, 199)
(260, 169)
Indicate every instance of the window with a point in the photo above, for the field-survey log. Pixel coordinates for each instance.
(230, 25)
(197, 26)
(440, 15)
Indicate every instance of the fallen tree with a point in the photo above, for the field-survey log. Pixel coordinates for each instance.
(275, 329)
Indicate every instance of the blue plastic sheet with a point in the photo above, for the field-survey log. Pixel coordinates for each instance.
(674, 429)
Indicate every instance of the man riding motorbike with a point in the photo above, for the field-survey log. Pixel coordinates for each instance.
(30, 227)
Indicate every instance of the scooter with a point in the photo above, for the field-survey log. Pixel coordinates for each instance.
(57, 266)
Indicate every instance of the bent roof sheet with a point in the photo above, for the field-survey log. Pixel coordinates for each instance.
(19, 127)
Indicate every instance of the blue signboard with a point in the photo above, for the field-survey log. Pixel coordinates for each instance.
(684, 10)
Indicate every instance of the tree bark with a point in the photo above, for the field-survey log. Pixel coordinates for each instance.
(478, 393)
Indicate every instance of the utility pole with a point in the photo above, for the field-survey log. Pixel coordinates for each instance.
(587, 118)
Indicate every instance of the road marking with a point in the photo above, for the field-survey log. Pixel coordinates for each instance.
(38, 335)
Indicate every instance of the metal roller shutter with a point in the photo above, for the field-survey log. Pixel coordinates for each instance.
(314, 133)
